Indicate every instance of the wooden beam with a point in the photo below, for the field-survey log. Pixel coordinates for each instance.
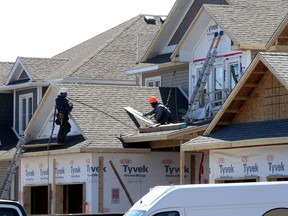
(164, 143)
(122, 183)
(182, 167)
(101, 186)
(278, 48)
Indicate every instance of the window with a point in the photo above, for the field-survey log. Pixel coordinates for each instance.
(218, 84)
(205, 91)
(8, 212)
(25, 111)
(277, 178)
(153, 81)
(234, 74)
(237, 180)
(168, 213)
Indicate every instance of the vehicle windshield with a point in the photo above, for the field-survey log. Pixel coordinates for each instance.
(134, 213)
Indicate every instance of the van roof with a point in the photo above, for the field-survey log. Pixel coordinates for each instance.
(212, 194)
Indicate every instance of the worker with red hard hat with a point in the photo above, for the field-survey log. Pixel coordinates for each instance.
(161, 113)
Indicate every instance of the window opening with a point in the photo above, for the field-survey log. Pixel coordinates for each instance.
(168, 213)
(237, 180)
(26, 111)
(234, 74)
(204, 92)
(218, 85)
(277, 178)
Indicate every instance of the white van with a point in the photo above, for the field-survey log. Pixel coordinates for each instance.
(11, 208)
(234, 199)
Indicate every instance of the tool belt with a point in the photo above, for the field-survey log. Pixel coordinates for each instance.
(59, 118)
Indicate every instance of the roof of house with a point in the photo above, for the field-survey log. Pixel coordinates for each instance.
(258, 133)
(5, 68)
(107, 55)
(242, 135)
(250, 23)
(43, 69)
(99, 112)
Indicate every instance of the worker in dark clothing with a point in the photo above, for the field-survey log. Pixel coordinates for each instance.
(63, 108)
(161, 113)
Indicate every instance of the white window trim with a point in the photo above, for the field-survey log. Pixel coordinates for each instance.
(21, 97)
(153, 79)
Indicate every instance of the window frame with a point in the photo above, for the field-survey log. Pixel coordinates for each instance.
(153, 80)
(27, 114)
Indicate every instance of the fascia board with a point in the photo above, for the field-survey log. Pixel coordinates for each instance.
(141, 70)
(234, 144)
(22, 85)
(17, 62)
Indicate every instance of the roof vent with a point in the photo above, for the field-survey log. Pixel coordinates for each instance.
(150, 19)
(162, 19)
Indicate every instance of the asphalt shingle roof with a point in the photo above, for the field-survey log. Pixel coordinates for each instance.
(245, 131)
(107, 55)
(43, 69)
(279, 62)
(99, 110)
(5, 68)
(250, 22)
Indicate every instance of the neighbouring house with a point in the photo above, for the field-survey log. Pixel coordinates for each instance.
(248, 27)
(247, 141)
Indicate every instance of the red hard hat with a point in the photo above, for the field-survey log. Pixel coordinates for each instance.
(153, 100)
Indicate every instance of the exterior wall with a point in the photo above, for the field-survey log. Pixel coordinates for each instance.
(169, 80)
(138, 172)
(270, 102)
(262, 162)
(6, 110)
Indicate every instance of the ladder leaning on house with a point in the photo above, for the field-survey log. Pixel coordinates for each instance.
(194, 102)
(11, 171)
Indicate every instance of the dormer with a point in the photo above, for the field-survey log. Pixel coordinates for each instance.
(18, 74)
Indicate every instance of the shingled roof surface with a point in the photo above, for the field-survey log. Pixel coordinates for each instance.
(245, 131)
(43, 69)
(99, 110)
(279, 62)
(107, 55)
(5, 68)
(250, 22)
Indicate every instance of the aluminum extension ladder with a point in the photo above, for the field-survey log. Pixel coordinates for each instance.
(11, 171)
(203, 78)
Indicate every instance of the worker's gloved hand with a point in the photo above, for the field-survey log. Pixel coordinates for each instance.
(145, 114)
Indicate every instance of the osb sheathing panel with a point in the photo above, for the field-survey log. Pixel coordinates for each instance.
(268, 101)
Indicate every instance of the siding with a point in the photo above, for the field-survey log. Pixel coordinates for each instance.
(6, 111)
(168, 79)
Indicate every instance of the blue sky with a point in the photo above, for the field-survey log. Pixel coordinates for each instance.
(44, 28)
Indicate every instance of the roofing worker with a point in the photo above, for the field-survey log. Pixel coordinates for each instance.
(161, 113)
(64, 108)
